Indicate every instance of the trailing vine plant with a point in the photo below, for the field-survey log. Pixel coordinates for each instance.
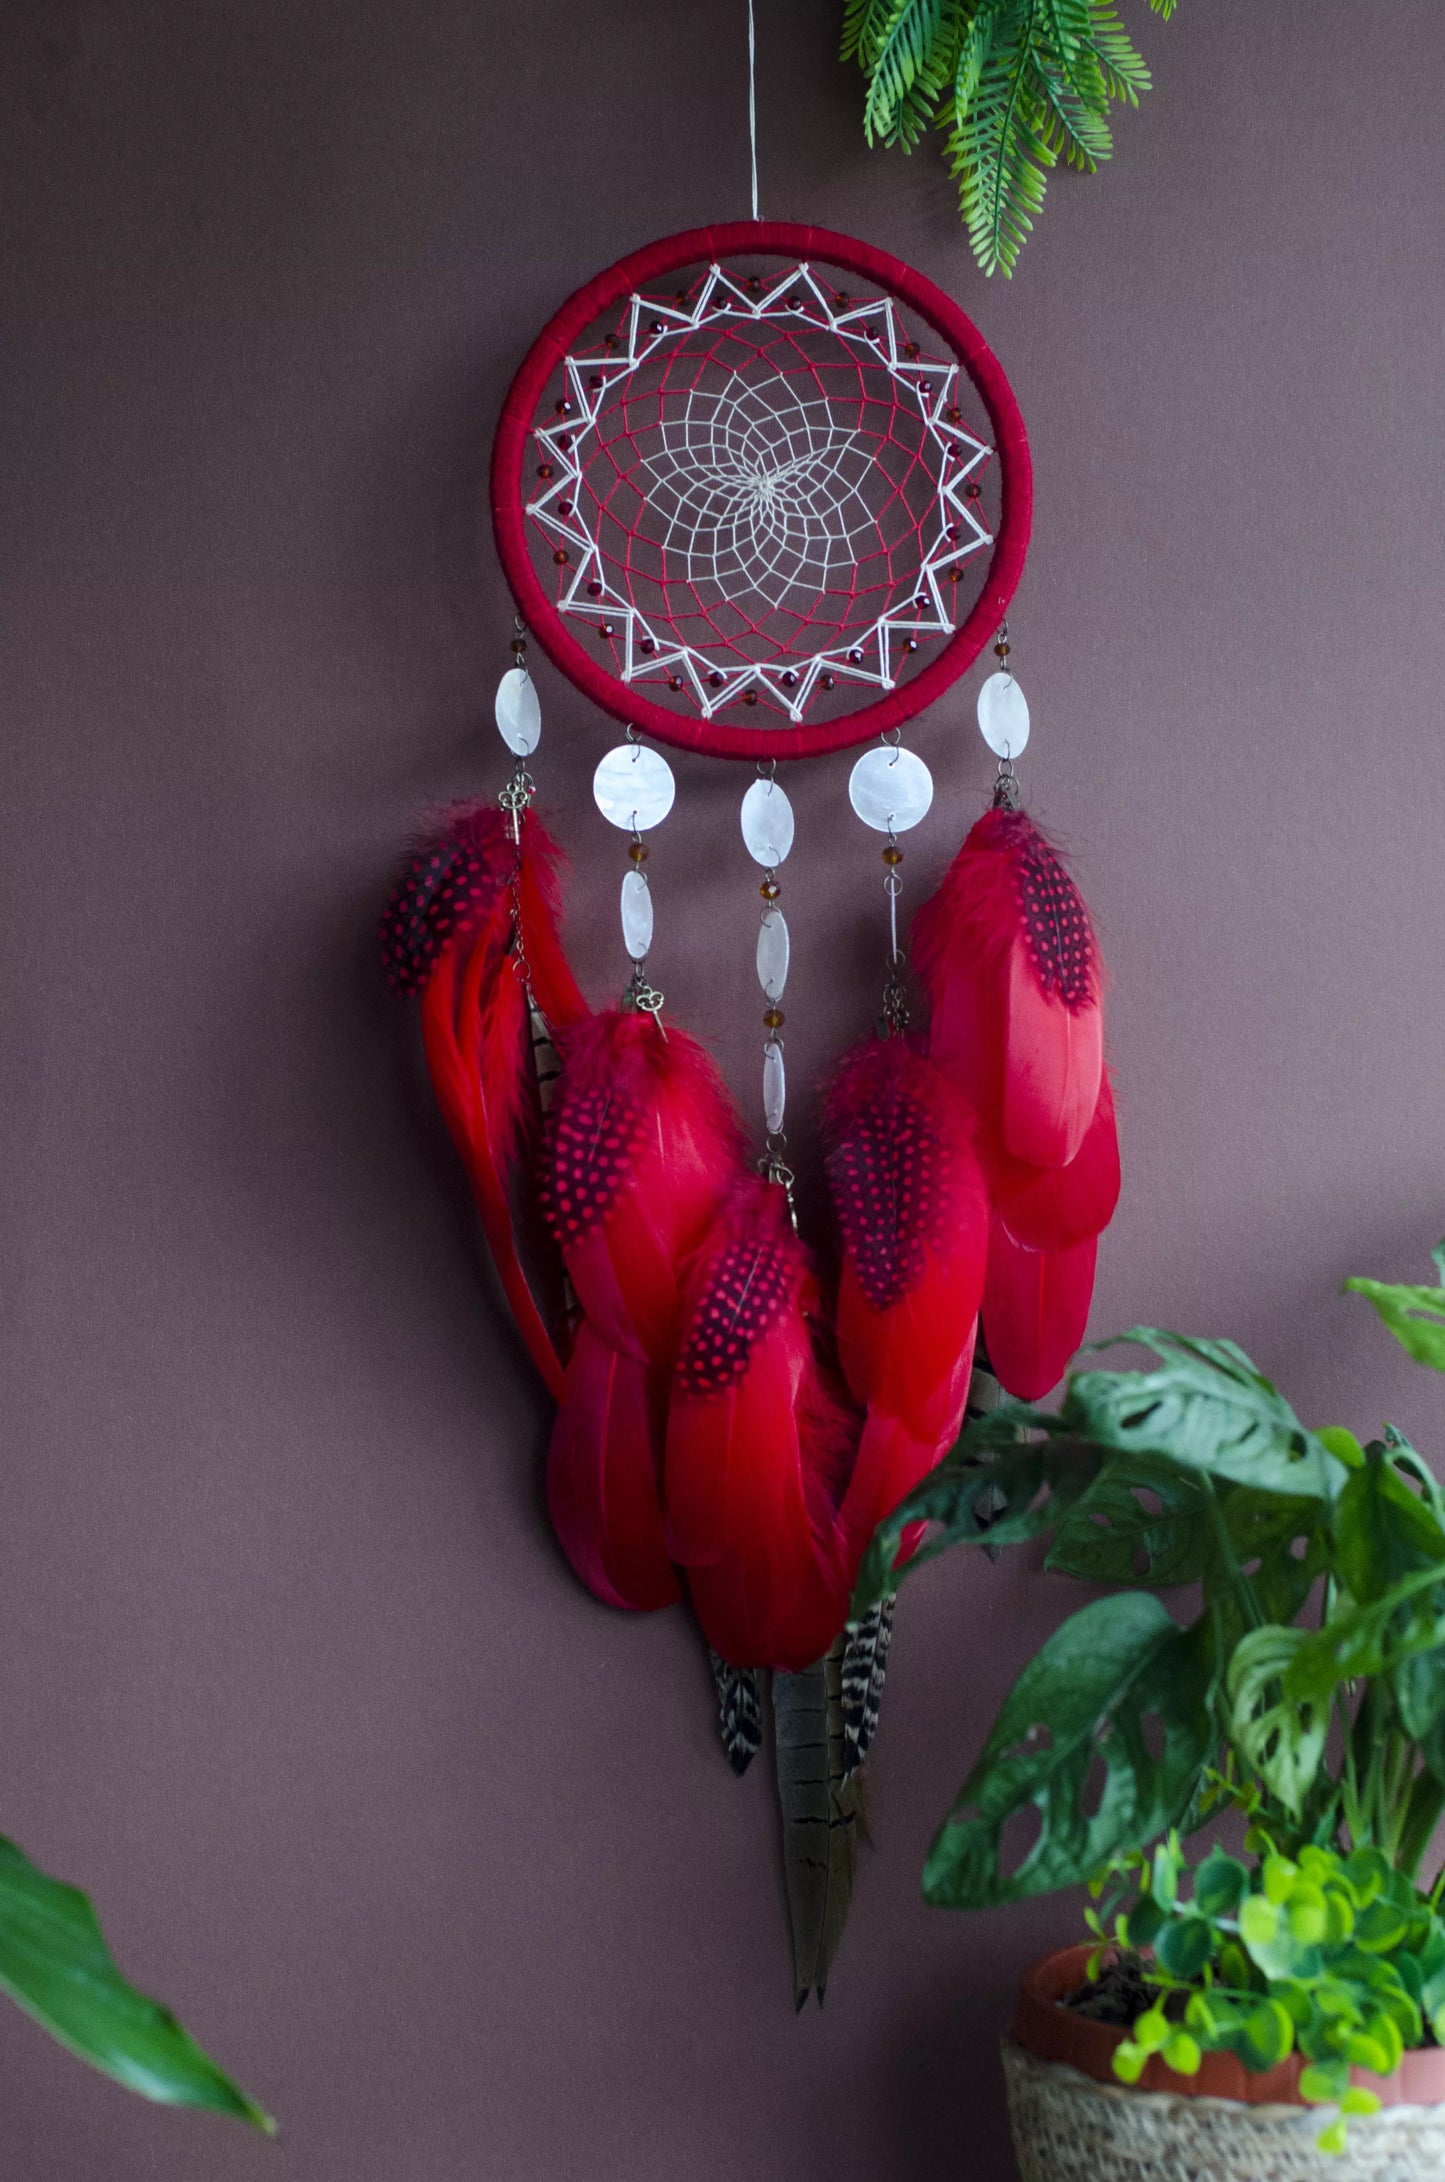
(1016, 85)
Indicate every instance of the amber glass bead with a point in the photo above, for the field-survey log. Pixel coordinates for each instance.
(770, 890)
(750, 696)
(893, 854)
(637, 851)
(544, 471)
(774, 1019)
(1001, 650)
(562, 557)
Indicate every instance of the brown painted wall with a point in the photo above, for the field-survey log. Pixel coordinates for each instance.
(440, 1856)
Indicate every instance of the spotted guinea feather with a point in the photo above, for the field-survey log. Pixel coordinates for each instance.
(450, 882)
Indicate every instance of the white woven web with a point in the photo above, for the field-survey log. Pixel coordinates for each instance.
(760, 490)
(756, 493)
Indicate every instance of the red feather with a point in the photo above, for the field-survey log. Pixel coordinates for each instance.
(756, 1444)
(909, 1191)
(448, 934)
(1035, 1310)
(1052, 1208)
(1007, 953)
(641, 1146)
(602, 1476)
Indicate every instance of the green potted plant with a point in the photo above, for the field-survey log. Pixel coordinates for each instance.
(1244, 2003)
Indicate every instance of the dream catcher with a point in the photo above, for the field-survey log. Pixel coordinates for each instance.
(763, 492)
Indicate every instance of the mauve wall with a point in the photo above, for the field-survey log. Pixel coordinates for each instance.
(440, 1856)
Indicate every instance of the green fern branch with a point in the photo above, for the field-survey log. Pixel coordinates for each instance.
(915, 54)
(1017, 86)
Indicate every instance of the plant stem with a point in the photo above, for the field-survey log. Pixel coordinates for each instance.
(1243, 1588)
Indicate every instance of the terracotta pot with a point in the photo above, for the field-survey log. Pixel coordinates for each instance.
(1073, 2121)
(1054, 2033)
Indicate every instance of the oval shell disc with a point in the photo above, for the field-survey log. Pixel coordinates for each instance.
(519, 714)
(767, 822)
(1003, 716)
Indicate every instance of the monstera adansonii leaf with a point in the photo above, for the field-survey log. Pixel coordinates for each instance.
(1207, 1408)
(1098, 1746)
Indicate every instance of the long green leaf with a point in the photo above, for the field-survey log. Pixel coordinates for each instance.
(55, 1963)
(1087, 1698)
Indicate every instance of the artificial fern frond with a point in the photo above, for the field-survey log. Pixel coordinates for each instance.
(1016, 84)
(1067, 26)
(1122, 67)
(1078, 131)
(864, 22)
(973, 51)
(1066, 51)
(1000, 147)
(914, 60)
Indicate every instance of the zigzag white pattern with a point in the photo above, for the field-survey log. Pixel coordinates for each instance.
(760, 492)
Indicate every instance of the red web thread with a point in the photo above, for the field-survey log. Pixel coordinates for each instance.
(829, 610)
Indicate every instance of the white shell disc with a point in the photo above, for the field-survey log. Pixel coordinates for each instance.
(1003, 716)
(890, 790)
(519, 715)
(636, 914)
(767, 819)
(634, 787)
(775, 1086)
(773, 948)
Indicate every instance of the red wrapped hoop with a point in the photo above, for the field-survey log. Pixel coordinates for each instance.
(750, 661)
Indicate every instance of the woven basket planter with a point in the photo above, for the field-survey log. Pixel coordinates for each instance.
(1072, 2122)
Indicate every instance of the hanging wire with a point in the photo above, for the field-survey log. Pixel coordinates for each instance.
(753, 104)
